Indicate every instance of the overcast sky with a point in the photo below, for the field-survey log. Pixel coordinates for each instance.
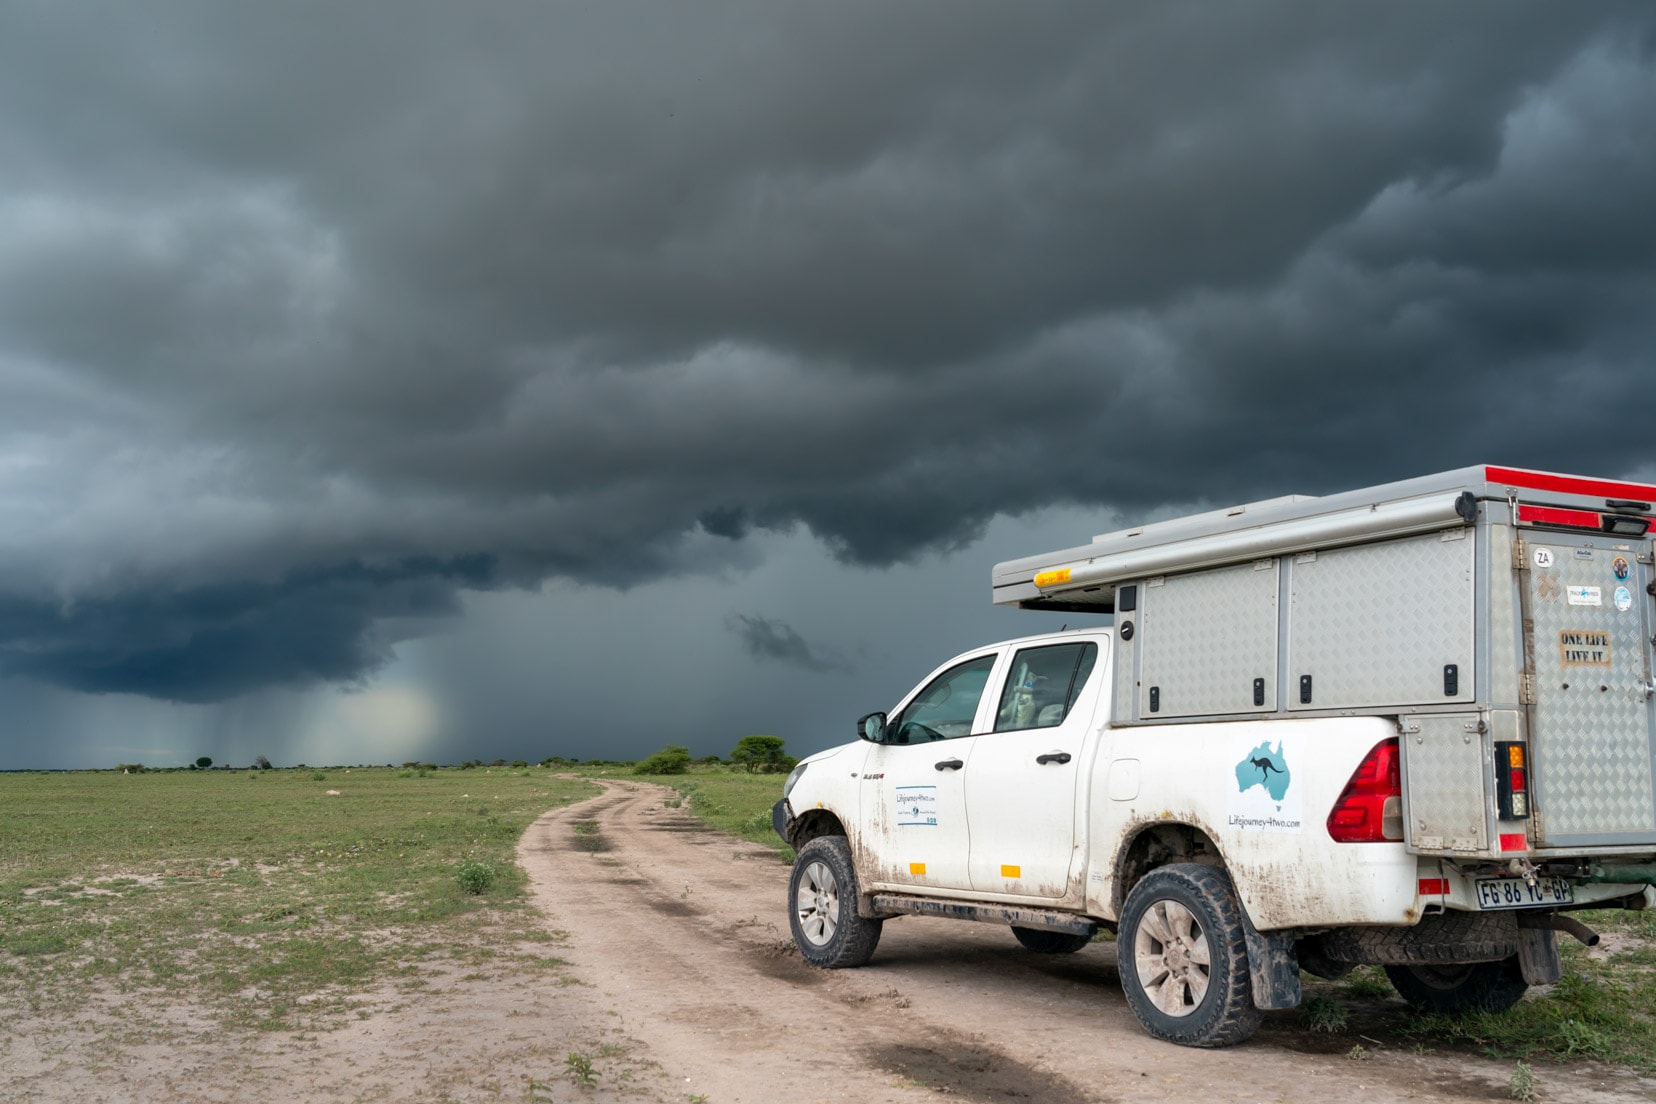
(397, 380)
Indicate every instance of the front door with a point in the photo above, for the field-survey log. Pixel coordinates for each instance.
(1592, 723)
(1022, 781)
(918, 829)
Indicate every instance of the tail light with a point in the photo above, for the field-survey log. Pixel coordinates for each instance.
(1370, 809)
(1511, 780)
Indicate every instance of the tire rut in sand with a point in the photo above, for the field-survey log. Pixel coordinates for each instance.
(676, 941)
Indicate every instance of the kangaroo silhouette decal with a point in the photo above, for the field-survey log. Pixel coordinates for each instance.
(1265, 767)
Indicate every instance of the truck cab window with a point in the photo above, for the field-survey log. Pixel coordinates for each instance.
(1043, 685)
(947, 706)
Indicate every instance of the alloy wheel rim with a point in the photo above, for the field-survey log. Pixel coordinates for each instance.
(1172, 958)
(817, 903)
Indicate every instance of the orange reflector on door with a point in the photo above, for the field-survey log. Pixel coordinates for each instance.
(1011, 871)
(918, 869)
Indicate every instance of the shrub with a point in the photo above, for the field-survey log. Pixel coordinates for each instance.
(760, 753)
(474, 876)
(672, 759)
(319, 776)
(1324, 1014)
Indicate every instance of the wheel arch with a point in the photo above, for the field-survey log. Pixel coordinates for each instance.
(1157, 844)
(812, 823)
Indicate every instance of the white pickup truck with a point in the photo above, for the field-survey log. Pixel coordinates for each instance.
(1410, 725)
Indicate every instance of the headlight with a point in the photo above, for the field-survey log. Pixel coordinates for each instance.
(793, 776)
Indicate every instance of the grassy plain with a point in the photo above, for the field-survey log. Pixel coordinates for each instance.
(276, 905)
(268, 900)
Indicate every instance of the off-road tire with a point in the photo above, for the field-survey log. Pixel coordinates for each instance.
(1203, 903)
(1461, 989)
(1050, 942)
(822, 907)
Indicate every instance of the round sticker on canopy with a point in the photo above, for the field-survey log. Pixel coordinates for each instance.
(1619, 566)
(1543, 557)
(1624, 599)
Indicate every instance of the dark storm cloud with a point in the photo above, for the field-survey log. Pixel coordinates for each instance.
(213, 642)
(301, 306)
(765, 638)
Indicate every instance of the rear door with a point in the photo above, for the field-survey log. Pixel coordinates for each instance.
(1022, 781)
(1593, 720)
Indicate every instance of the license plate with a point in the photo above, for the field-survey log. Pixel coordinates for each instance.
(1504, 893)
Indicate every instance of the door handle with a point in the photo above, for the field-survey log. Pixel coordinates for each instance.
(1059, 757)
(950, 764)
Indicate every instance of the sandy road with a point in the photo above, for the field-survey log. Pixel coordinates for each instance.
(682, 934)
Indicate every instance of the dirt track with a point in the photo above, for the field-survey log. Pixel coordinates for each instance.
(682, 984)
(681, 933)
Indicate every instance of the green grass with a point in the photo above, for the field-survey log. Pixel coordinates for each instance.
(260, 896)
(1601, 1009)
(731, 800)
(1604, 1007)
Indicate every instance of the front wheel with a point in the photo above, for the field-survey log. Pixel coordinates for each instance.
(823, 915)
(1462, 988)
(1184, 958)
(1050, 942)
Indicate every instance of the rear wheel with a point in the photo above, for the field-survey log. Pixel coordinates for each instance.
(1184, 959)
(823, 915)
(1050, 942)
(1461, 988)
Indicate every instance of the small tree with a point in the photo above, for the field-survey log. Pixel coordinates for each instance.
(672, 759)
(759, 753)
(262, 763)
(204, 762)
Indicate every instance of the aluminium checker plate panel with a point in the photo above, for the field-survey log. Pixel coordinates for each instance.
(1207, 637)
(1591, 725)
(1444, 754)
(1374, 625)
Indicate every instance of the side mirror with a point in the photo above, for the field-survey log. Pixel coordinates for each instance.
(871, 727)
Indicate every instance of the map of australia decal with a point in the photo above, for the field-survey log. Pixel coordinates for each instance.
(1265, 798)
